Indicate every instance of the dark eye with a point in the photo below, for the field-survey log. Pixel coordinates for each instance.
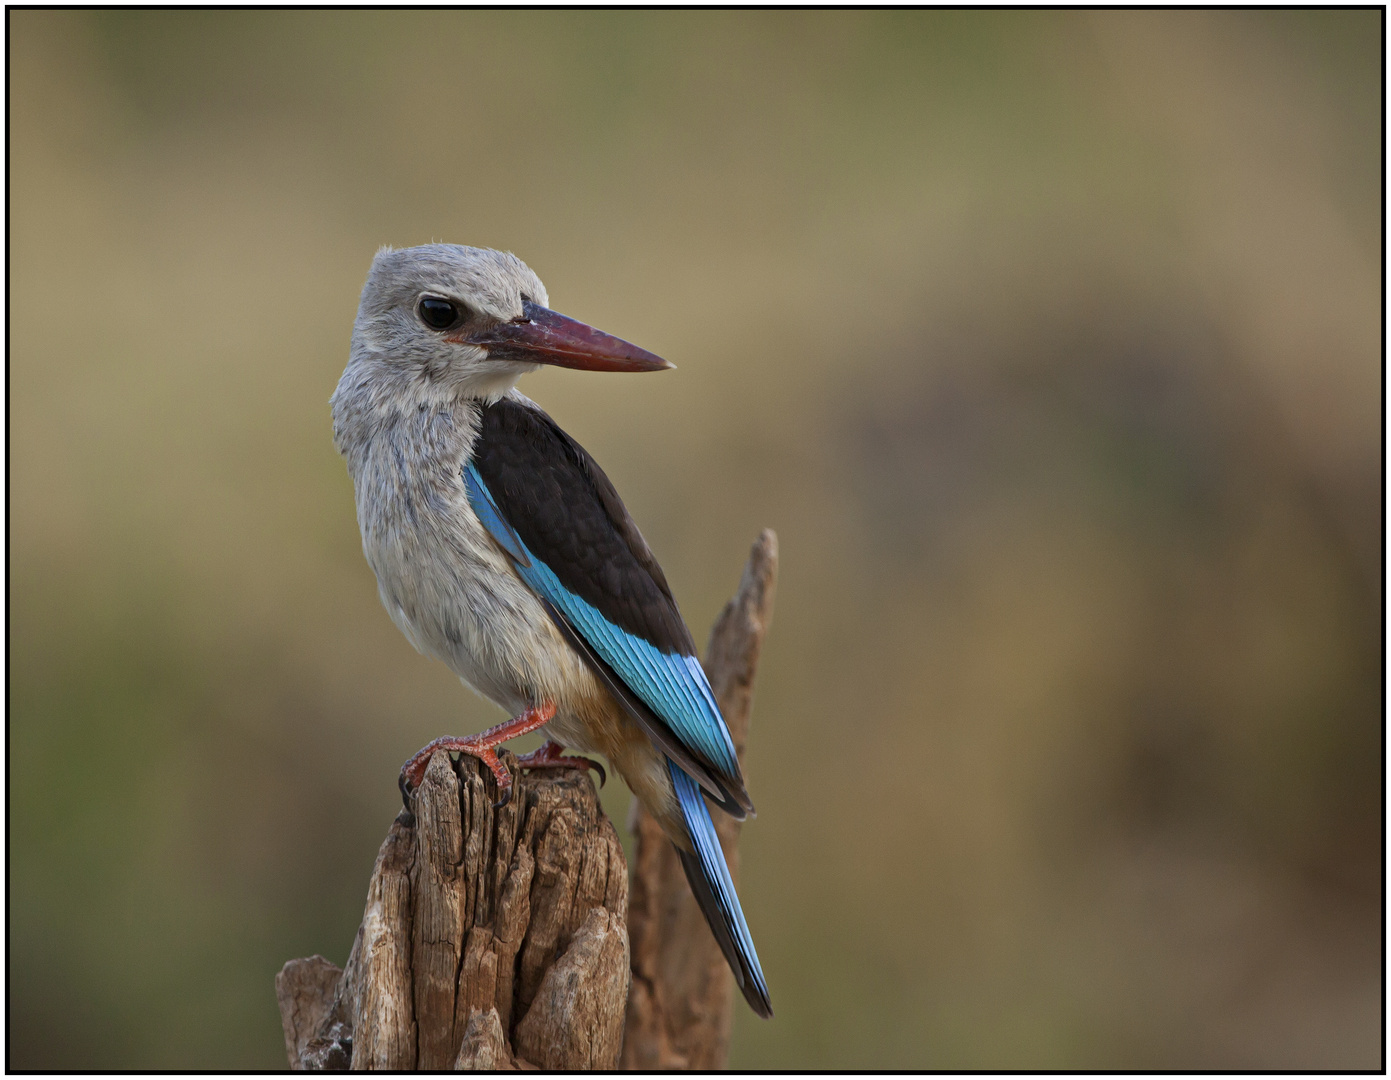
(438, 314)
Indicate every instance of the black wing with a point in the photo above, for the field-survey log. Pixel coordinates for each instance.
(602, 586)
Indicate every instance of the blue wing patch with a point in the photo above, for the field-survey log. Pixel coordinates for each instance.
(673, 686)
(488, 514)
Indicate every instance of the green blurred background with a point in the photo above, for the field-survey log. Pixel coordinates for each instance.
(1048, 342)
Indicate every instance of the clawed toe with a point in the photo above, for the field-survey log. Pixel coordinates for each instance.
(482, 746)
(549, 756)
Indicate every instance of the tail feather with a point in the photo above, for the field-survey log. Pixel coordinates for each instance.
(714, 891)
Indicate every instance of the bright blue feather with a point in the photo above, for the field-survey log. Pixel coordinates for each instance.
(672, 685)
(716, 872)
(488, 514)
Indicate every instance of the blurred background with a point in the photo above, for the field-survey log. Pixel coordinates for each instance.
(1049, 343)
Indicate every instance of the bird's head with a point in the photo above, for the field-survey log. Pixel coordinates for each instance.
(449, 321)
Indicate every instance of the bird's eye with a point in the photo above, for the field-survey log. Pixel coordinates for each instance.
(438, 314)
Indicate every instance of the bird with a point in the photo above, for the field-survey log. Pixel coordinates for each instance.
(501, 548)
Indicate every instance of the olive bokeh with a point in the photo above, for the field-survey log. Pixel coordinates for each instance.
(1048, 342)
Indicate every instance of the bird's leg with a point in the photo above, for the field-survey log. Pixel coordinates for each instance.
(549, 756)
(480, 746)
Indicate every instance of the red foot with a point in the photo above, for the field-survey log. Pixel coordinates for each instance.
(480, 746)
(548, 756)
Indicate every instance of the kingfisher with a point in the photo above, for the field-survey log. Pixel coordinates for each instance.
(502, 549)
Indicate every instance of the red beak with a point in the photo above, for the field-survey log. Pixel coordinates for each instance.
(543, 336)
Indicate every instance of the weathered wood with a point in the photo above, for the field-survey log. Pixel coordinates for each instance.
(305, 992)
(485, 1047)
(498, 939)
(572, 1022)
(681, 1004)
(461, 897)
(380, 987)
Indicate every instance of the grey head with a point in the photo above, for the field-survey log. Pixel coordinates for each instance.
(444, 322)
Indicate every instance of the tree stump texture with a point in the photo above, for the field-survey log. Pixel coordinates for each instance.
(499, 939)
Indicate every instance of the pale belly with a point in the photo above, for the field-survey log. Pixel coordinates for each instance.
(470, 610)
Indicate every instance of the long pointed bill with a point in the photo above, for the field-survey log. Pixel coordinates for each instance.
(543, 336)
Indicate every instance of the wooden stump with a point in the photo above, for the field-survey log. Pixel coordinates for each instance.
(499, 939)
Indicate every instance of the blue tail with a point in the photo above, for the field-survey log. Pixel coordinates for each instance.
(714, 891)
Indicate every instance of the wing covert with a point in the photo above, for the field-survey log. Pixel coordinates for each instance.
(550, 507)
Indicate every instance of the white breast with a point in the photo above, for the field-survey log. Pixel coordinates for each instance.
(444, 580)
